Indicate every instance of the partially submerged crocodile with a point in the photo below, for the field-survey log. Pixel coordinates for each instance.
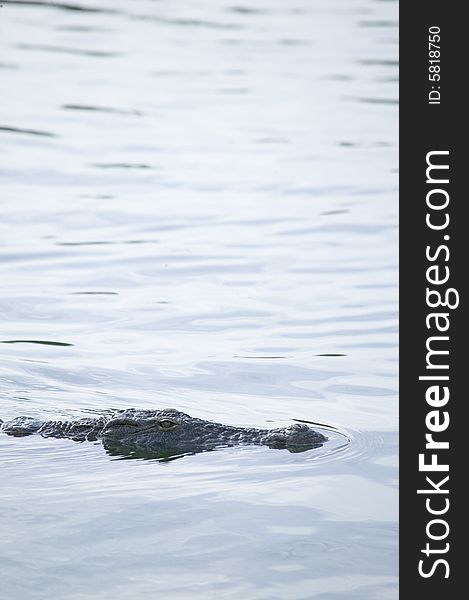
(164, 433)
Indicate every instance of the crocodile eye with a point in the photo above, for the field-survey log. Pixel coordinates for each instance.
(167, 424)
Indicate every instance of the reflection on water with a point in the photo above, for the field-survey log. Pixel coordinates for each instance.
(47, 343)
(27, 131)
(199, 211)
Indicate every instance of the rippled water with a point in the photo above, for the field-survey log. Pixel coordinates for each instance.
(199, 210)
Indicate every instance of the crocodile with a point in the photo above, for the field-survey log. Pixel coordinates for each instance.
(163, 433)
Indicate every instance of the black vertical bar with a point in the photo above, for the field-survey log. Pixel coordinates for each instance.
(432, 120)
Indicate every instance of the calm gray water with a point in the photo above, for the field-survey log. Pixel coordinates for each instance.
(199, 202)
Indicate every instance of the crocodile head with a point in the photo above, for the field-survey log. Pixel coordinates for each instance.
(169, 432)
